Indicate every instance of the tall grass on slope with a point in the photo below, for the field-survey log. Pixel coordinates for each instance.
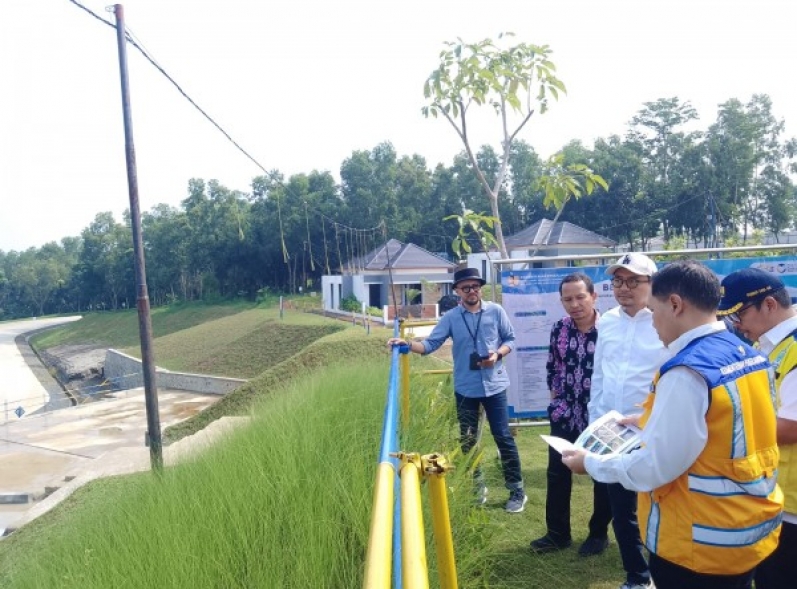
(347, 346)
(284, 502)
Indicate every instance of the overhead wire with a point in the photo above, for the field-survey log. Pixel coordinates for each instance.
(133, 40)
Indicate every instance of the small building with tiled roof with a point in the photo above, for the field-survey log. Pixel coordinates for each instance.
(546, 238)
(417, 275)
(556, 239)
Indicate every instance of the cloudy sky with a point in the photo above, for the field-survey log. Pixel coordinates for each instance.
(301, 84)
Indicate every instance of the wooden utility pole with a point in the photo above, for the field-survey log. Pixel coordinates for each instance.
(154, 440)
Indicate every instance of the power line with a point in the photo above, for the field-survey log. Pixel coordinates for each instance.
(139, 46)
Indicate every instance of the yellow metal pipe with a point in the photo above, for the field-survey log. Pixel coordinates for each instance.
(441, 524)
(380, 541)
(414, 571)
(410, 324)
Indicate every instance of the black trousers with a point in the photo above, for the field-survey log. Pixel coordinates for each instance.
(557, 499)
(667, 575)
(779, 570)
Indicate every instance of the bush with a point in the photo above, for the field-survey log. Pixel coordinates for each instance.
(350, 304)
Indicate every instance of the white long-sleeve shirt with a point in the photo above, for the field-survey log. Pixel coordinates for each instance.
(675, 433)
(627, 355)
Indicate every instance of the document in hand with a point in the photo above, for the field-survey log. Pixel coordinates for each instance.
(603, 436)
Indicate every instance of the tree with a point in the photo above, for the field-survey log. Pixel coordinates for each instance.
(472, 225)
(562, 181)
(514, 81)
(654, 128)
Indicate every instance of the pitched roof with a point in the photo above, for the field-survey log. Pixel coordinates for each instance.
(402, 256)
(546, 232)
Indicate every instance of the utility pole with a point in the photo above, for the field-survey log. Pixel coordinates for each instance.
(142, 296)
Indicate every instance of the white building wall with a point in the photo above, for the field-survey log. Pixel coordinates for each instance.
(330, 288)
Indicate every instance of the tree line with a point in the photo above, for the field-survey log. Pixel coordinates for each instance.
(666, 178)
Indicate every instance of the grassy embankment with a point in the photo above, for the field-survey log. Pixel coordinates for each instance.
(285, 502)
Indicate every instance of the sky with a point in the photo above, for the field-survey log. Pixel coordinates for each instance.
(302, 84)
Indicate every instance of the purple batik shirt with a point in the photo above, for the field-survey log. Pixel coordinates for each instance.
(571, 356)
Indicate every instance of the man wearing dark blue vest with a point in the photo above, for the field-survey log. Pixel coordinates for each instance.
(706, 469)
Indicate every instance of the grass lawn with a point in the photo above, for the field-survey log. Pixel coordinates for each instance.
(285, 502)
(119, 329)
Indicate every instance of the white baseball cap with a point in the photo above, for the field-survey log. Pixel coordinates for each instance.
(637, 263)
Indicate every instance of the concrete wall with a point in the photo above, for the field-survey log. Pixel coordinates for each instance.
(331, 287)
(125, 373)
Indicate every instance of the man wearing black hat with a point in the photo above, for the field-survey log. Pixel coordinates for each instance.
(482, 336)
(759, 306)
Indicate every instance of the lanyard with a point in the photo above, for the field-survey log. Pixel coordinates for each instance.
(478, 323)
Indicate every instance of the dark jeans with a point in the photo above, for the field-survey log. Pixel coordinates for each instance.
(626, 531)
(557, 498)
(779, 570)
(667, 575)
(496, 412)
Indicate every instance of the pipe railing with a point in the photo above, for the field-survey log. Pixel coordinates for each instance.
(397, 530)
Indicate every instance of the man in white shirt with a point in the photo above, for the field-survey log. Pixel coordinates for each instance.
(627, 355)
(706, 468)
(759, 306)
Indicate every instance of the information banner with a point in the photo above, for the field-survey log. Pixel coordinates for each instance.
(531, 299)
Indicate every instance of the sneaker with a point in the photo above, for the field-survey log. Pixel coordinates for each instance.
(629, 585)
(517, 501)
(593, 546)
(547, 544)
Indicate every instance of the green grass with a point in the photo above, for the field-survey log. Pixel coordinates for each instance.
(119, 329)
(345, 347)
(285, 502)
(241, 345)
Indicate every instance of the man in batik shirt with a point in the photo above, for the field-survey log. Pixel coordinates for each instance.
(570, 362)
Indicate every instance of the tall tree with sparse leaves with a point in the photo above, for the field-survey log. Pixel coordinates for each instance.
(515, 81)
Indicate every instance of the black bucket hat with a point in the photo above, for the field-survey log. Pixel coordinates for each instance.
(468, 274)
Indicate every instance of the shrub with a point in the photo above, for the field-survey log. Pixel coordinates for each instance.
(350, 304)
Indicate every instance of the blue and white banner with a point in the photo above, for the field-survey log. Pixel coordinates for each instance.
(531, 298)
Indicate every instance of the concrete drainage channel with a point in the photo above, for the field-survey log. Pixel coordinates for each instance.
(14, 505)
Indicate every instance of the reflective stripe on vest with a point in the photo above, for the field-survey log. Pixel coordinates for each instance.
(723, 487)
(739, 439)
(737, 537)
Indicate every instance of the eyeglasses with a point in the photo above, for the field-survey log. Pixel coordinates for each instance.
(737, 316)
(467, 289)
(630, 282)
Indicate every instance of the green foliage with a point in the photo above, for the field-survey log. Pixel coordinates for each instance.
(663, 178)
(476, 225)
(484, 73)
(561, 182)
(263, 296)
(351, 304)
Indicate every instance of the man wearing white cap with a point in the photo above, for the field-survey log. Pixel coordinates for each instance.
(627, 355)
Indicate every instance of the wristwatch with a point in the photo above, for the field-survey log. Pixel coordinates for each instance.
(500, 356)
